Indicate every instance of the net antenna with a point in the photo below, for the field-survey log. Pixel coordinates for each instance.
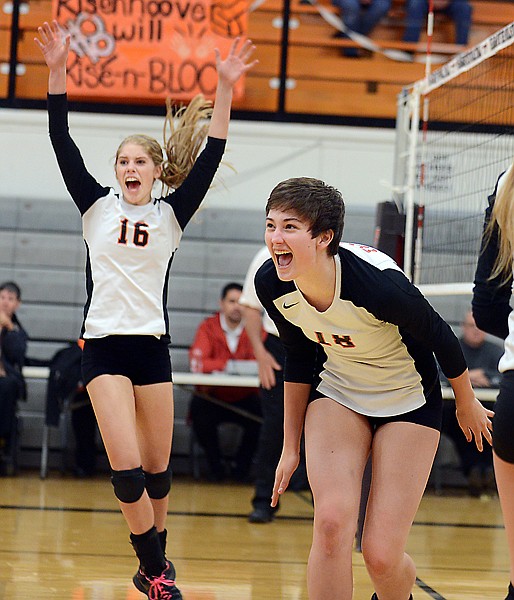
(454, 136)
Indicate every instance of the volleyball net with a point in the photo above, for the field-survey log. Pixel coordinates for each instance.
(454, 136)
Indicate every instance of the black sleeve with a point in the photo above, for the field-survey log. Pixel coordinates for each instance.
(401, 303)
(491, 297)
(187, 198)
(301, 362)
(82, 186)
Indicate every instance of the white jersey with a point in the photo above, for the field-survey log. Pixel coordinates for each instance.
(129, 248)
(129, 254)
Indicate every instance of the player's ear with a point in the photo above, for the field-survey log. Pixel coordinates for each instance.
(325, 238)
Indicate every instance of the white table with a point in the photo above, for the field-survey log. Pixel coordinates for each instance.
(216, 379)
(483, 394)
(222, 379)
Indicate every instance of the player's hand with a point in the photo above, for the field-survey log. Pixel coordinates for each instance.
(236, 64)
(287, 465)
(475, 422)
(54, 43)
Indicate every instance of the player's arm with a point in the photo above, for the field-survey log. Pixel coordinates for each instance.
(229, 70)
(197, 183)
(83, 188)
(296, 397)
(410, 310)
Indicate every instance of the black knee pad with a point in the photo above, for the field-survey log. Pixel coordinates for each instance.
(158, 484)
(129, 485)
(503, 420)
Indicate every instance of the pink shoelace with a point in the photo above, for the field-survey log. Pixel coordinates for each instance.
(159, 587)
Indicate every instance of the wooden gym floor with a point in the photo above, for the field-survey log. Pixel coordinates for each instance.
(64, 538)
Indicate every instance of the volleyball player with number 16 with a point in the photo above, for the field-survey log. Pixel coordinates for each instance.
(131, 239)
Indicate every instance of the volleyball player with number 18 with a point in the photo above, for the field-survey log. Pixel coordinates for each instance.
(361, 378)
(131, 239)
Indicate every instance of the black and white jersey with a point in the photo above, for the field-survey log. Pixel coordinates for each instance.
(129, 248)
(377, 339)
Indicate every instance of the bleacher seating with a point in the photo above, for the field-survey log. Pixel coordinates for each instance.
(320, 80)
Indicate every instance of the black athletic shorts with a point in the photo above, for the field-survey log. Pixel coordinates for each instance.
(429, 415)
(503, 420)
(144, 359)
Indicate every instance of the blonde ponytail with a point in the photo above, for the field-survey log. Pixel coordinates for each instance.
(184, 136)
(503, 215)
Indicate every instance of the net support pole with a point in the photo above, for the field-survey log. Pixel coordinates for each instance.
(411, 182)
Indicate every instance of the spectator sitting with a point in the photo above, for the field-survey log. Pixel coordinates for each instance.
(361, 16)
(221, 338)
(459, 11)
(482, 358)
(13, 348)
(65, 385)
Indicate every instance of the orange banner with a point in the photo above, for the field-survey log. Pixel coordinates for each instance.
(138, 50)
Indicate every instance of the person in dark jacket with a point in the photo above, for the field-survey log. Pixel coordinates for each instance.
(13, 347)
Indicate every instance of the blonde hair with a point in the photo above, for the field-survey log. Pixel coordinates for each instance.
(183, 138)
(503, 216)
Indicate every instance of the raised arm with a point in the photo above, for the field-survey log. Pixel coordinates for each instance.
(54, 43)
(229, 72)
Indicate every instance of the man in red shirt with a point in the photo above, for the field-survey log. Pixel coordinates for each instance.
(220, 339)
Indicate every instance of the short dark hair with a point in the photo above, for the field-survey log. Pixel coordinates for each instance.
(230, 286)
(10, 286)
(320, 204)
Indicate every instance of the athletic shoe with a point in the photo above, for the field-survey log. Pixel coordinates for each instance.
(159, 588)
(261, 515)
(510, 595)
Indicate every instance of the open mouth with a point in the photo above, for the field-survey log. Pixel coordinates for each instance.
(132, 184)
(284, 258)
